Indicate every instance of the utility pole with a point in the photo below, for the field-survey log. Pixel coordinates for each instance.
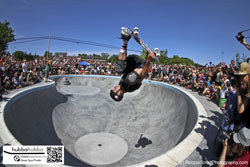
(222, 57)
(48, 48)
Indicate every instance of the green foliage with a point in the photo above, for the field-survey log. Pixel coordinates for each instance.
(237, 59)
(46, 53)
(82, 55)
(243, 58)
(180, 60)
(164, 59)
(20, 55)
(95, 55)
(164, 53)
(6, 36)
(113, 58)
(143, 54)
(105, 56)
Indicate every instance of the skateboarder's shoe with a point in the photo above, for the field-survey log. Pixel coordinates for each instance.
(125, 35)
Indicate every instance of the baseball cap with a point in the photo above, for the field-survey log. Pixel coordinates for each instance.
(244, 69)
(243, 137)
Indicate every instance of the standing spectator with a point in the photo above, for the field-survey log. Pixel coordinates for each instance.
(232, 104)
(194, 75)
(223, 91)
(47, 71)
(150, 72)
(243, 91)
(232, 69)
(24, 66)
(15, 81)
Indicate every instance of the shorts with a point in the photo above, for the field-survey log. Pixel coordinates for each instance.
(222, 101)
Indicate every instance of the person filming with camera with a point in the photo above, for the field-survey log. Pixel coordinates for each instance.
(239, 150)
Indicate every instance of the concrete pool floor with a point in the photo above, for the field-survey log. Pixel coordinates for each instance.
(208, 127)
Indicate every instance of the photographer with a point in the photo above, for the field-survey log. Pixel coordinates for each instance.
(224, 92)
(243, 93)
(239, 150)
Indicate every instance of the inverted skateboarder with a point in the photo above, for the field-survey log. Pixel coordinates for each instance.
(133, 68)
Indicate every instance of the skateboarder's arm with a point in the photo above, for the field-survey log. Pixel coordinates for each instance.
(150, 57)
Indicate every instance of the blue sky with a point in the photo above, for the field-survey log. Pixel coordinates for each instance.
(198, 29)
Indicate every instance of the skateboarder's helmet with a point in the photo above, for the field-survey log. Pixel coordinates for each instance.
(115, 96)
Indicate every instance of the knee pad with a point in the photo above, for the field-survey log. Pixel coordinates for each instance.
(132, 78)
(120, 66)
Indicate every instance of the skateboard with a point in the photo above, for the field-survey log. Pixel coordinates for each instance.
(135, 35)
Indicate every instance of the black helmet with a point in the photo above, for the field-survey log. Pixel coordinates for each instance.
(115, 96)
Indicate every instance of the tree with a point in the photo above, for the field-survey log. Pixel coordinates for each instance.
(46, 53)
(237, 59)
(95, 55)
(83, 55)
(6, 36)
(164, 53)
(113, 58)
(20, 55)
(143, 54)
(105, 56)
(243, 57)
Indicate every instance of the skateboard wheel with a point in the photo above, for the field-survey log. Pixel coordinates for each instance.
(156, 50)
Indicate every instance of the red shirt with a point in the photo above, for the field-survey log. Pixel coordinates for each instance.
(150, 69)
(242, 161)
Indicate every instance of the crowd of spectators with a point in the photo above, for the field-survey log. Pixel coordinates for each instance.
(213, 81)
(15, 74)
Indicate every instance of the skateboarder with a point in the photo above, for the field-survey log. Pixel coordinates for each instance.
(133, 68)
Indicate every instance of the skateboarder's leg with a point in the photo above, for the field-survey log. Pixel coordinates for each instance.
(123, 52)
(120, 63)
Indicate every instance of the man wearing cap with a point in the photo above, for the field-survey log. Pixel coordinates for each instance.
(133, 68)
(240, 149)
(243, 93)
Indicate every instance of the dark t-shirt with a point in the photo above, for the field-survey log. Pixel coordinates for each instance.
(133, 62)
(231, 72)
(244, 117)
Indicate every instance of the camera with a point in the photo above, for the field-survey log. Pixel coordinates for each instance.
(235, 81)
(225, 135)
(240, 37)
(228, 83)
